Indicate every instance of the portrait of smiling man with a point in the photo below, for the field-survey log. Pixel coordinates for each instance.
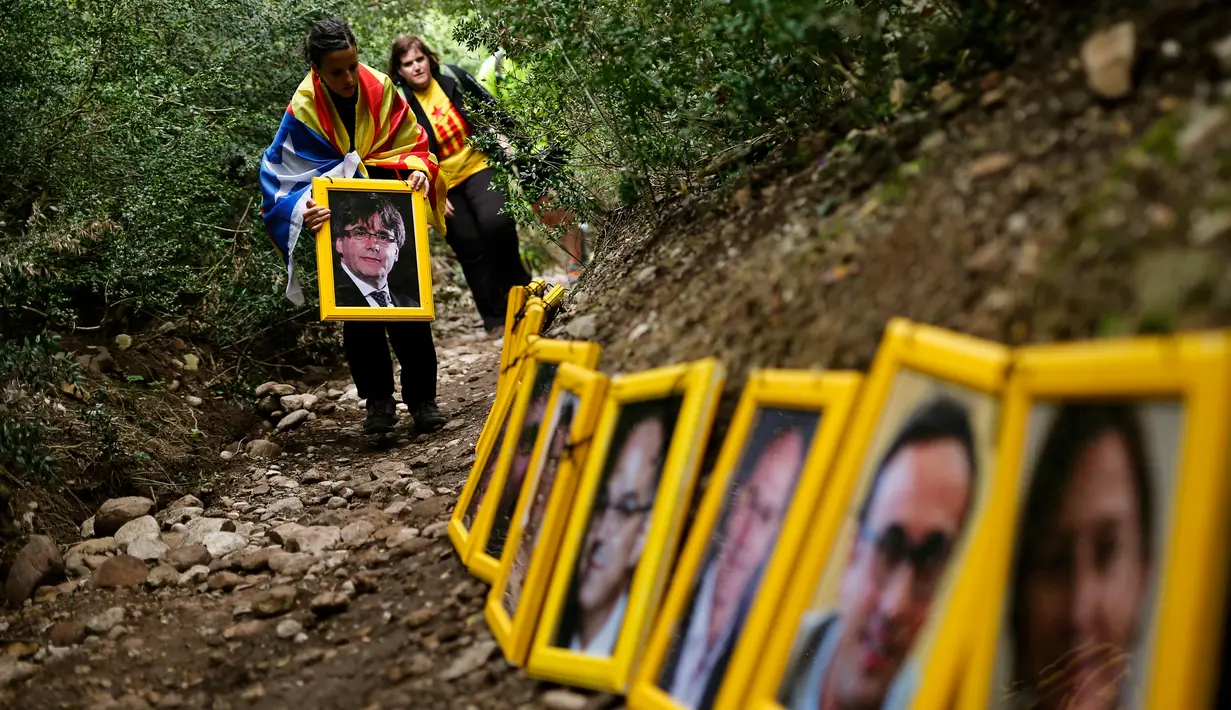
(916, 507)
(369, 236)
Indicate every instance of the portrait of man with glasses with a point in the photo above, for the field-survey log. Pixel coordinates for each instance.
(368, 239)
(916, 507)
(740, 545)
(619, 525)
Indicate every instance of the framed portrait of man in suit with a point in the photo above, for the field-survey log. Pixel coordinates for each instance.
(625, 526)
(757, 505)
(373, 261)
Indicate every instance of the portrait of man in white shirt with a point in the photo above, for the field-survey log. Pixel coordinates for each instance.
(741, 543)
(619, 525)
(369, 236)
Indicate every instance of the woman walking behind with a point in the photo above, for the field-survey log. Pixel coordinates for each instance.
(345, 120)
(482, 236)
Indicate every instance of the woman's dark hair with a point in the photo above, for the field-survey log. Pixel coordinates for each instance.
(328, 35)
(404, 44)
(1074, 429)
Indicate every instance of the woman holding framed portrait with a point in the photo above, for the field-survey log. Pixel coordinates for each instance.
(347, 120)
(480, 233)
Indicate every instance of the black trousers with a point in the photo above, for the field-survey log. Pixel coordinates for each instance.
(485, 241)
(367, 353)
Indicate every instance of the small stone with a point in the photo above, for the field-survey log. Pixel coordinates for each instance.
(288, 629)
(358, 532)
(264, 388)
(582, 327)
(436, 529)
(290, 564)
(224, 581)
(194, 401)
(263, 449)
(87, 528)
(226, 455)
(193, 575)
(1107, 56)
(192, 363)
(148, 549)
(67, 633)
(421, 616)
(469, 661)
(991, 164)
(114, 513)
(222, 543)
(401, 537)
(181, 515)
(38, 563)
(104, 622)
(296, 402)
(162, 576)
(558, 699)
(283, 532)
(287, 507)
(329, 603)
(293, 420)
(123, 341)
(145, 527)
(121, 571)
(244, 630)
(258, 560)
(275, 601)
(314, 539)
(186, 556)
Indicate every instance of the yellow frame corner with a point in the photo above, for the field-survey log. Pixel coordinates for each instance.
(515, 634)
(699, 382)
(832, 395)
(330, 311)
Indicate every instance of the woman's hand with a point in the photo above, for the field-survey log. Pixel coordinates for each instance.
(418, 180)
(315, 217)
(448, 208)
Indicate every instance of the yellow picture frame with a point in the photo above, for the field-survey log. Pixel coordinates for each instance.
(1178, 650)
(343, 290)
(909, 354)
(527, 328)
(483, 562)
(587, 389)
(825, 401)
(519, 296)
(637, 411)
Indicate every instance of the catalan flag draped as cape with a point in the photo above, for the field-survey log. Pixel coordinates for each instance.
(312, 142)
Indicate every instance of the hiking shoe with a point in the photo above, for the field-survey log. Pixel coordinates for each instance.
(428, 416)
(382, 416)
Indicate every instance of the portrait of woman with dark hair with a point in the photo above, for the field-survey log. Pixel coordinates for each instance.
(1085, 556)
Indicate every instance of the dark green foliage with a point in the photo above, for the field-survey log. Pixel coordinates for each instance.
(29, 369)
(652, 96)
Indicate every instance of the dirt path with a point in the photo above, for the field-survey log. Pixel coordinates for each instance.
(373, 611)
